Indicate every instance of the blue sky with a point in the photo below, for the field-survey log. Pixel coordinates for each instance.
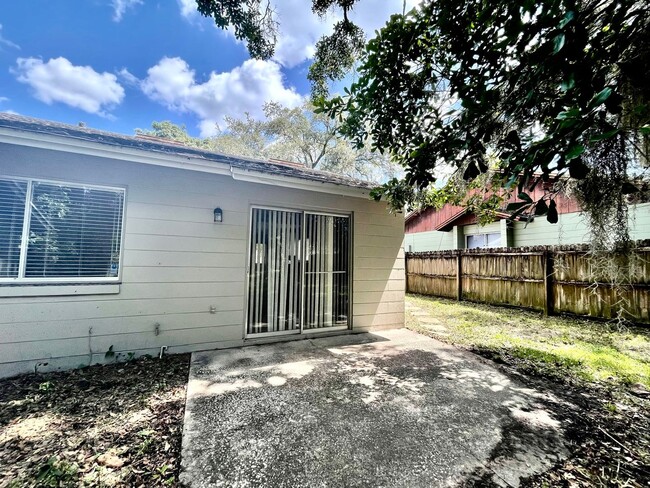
(118, 65)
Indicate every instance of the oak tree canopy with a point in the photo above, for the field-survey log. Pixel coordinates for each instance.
(502, 91)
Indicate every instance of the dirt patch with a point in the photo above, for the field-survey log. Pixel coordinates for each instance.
(114, 425)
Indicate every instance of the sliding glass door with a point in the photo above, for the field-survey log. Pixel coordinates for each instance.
(275, 271)
(326, 271)
(298, 272)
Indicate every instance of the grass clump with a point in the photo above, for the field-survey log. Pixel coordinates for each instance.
(557, 346)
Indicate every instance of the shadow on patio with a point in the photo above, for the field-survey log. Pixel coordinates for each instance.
(392, 408)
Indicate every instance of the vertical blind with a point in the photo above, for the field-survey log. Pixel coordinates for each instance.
(326, 271)
(291, 283)
(69, 231)
(275, 271)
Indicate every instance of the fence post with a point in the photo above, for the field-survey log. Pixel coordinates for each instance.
(406, 272)
(459, 277)
(547, 264)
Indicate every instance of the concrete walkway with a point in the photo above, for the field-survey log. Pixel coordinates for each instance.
(391, 408)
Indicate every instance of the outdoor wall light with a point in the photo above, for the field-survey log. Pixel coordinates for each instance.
(218, 215)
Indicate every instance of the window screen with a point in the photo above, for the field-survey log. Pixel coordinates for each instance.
(71, 231)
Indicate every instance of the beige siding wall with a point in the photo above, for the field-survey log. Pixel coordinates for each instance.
(177, 264)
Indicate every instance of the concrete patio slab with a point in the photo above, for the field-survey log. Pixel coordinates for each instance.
(390, 408)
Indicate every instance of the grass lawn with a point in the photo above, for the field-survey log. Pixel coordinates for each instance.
(601, 376)
(592, 351)
(114, 425)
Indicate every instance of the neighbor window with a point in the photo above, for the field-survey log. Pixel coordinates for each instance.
(483, 240)
(59, 232)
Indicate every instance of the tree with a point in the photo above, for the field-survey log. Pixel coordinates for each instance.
(168, 130)
(503, 91)
(291, 134)
(507, 91)
(254, 22)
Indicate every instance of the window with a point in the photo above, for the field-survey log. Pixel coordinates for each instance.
(483, 240)
(59, 232)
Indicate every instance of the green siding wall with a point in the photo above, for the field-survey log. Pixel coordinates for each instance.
(429, 241)
(571, 229)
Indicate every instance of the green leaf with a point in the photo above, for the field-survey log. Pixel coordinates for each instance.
(376, 193)
(474, 169)
(558, 43)
(568, 17)
(523, 207)
(575, 151)
(578, 169)
(645, 130)
(600, 97)
(525, 197)
(568, 83)
(572, 113)
(552, 215)
(541, 208)
(516, 206)
(604, 135)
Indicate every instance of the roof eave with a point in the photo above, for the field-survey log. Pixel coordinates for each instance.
(89, 148)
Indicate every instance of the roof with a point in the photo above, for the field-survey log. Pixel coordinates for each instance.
(157, 146)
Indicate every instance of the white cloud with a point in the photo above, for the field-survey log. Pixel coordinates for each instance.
(58, 80)
(3, 99)
(121, 6)
(244, 89)
(371, 15)
(188, 8)
(128, 78)
(7, 42)
(300, 28)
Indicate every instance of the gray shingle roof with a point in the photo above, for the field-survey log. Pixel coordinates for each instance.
(39, 126)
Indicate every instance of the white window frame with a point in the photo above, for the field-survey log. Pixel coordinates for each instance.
(21, 279)
(482, 234)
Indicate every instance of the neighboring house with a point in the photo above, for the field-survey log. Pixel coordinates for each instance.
(454, 227)
(116, 246)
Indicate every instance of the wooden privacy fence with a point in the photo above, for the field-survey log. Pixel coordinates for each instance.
(561, 279)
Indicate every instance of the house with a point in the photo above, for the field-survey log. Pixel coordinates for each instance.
(114, 247)
(456, 227)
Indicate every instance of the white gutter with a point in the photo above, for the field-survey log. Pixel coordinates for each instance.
(89, 148)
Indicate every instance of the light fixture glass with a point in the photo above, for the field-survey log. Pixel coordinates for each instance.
(218, 215)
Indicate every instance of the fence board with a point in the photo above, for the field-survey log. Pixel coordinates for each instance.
(558, 279)
(432, 276)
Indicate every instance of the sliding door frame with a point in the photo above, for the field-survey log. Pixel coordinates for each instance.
(301, 330)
